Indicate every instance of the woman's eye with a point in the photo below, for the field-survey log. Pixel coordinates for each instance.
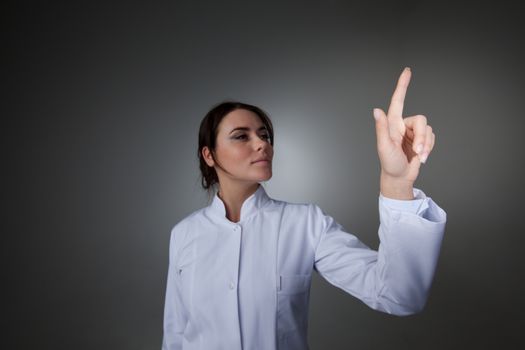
(244, 137)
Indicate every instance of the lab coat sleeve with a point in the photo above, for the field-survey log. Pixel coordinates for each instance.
(175, 316)
(395, 279)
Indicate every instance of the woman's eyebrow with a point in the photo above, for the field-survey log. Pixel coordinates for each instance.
(245, 128)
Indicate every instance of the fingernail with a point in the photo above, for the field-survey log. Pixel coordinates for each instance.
(407, 68)
(419, 148)
(376, 114)
(424, 158)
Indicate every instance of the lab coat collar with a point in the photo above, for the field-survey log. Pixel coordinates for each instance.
(250, 206)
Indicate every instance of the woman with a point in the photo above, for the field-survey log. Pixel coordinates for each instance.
(240, 269)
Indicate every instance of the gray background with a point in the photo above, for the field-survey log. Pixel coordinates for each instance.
(100, 111)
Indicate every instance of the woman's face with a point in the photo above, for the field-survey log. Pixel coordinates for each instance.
(243, 148)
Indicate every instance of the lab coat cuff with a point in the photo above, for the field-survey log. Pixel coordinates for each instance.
(417, 206)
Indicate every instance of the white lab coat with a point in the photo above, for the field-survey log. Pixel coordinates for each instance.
(246, 285)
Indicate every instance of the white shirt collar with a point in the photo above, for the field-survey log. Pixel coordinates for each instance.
(251, 205)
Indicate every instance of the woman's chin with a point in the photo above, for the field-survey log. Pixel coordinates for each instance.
(265, 177)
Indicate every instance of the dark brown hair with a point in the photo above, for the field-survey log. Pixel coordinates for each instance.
(208, 135)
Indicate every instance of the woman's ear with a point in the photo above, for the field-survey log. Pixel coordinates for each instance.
(206, 154)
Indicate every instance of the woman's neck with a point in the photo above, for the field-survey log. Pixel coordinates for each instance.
(233, 197)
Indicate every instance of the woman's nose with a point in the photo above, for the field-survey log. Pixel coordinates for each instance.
(260, 143)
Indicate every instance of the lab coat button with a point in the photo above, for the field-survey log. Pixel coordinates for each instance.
(232, 285)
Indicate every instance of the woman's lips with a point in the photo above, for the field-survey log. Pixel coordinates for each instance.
(261, 162)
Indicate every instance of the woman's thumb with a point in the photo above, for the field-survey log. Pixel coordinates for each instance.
(382, 132)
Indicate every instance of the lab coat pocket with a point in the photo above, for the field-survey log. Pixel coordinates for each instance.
(292, 303)
(293, 284)
(185, 288)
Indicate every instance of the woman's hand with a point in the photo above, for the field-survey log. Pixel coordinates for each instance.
(402, 144)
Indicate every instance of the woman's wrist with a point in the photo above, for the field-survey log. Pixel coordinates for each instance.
(396, 188)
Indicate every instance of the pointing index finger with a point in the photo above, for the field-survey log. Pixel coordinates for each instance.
(398, 98)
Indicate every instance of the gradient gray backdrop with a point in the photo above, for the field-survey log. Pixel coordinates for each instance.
(101, 107)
